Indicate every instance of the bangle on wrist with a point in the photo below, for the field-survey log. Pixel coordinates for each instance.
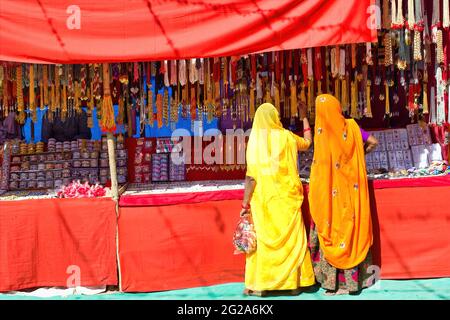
(246, 207)
(306, 130)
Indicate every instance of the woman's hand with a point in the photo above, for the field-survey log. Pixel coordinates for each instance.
(244, 212)
(302, 110)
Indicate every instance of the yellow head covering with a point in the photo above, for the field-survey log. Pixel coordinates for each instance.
(339, 196)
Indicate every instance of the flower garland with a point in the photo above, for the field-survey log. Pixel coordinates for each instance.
(79, 190)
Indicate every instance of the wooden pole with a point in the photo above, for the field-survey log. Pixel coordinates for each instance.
(112, 166)
(115, 196)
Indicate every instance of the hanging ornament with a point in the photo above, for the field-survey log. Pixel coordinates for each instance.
(369, 58)
(173, 110)
(386, 19)
(436, 19)
(173, 73)
(440, 97)
(398, 20)
(159, 110)
(446, 15)
(432, 110)
(165, 114)
(387, 109)
(64, 103)
(31, 96)
(439, 47)
(388, 56)
(150, 116)
(58, 73)
(182, 72)
(411, 15)
(107, 122)
(354, 99)
(20, 105)
(417, 46)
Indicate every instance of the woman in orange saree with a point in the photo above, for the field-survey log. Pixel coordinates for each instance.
(341, 232)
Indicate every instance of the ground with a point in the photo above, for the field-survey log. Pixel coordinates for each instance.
(428, 289)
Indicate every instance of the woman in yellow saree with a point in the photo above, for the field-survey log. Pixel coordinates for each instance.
(341, 235)
(274, 192)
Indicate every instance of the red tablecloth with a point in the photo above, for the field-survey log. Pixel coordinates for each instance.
(49, 242)
(167, 245)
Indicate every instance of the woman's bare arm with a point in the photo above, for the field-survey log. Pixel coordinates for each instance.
(250, 185)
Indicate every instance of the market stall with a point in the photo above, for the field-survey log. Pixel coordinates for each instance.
(159, 130)
(180, 239)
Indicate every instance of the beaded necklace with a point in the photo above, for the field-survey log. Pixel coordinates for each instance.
(20, 104)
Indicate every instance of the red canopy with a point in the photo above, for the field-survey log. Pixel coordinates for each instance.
(68, 31)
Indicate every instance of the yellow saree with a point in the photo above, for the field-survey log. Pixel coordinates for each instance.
(282, 260)
(338, 195)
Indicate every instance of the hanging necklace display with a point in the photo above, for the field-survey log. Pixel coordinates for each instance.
(31, 95)
(173, 110)
(432, 106)
(64, 109)
(411, 22)
(96, 87)
(4, 88)
(440, 97)
(159, 107)
(166, 107)
(150, 116)
(41, 87)
(334, 69)
(397, 14)
(386, 18)
(343, 80)
(173, 73)
(141, 102)
(439, 47)
(446, 15)
(77, 96)
(20, 105)
(425, 91)
(83, 84)
(216, 87)
(224, 86)
(107, 122)
(435, 22)
(58, 74)
(91, 102)
(166, 73)
(52, 80)
(2, 96)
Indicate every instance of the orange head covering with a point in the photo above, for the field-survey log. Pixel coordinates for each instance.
(339, 196)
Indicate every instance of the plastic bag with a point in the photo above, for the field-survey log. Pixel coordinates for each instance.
(244, 238)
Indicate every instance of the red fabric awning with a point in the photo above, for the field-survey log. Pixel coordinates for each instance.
(67, 31)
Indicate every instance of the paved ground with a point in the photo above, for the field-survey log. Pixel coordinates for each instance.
(429, 289)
